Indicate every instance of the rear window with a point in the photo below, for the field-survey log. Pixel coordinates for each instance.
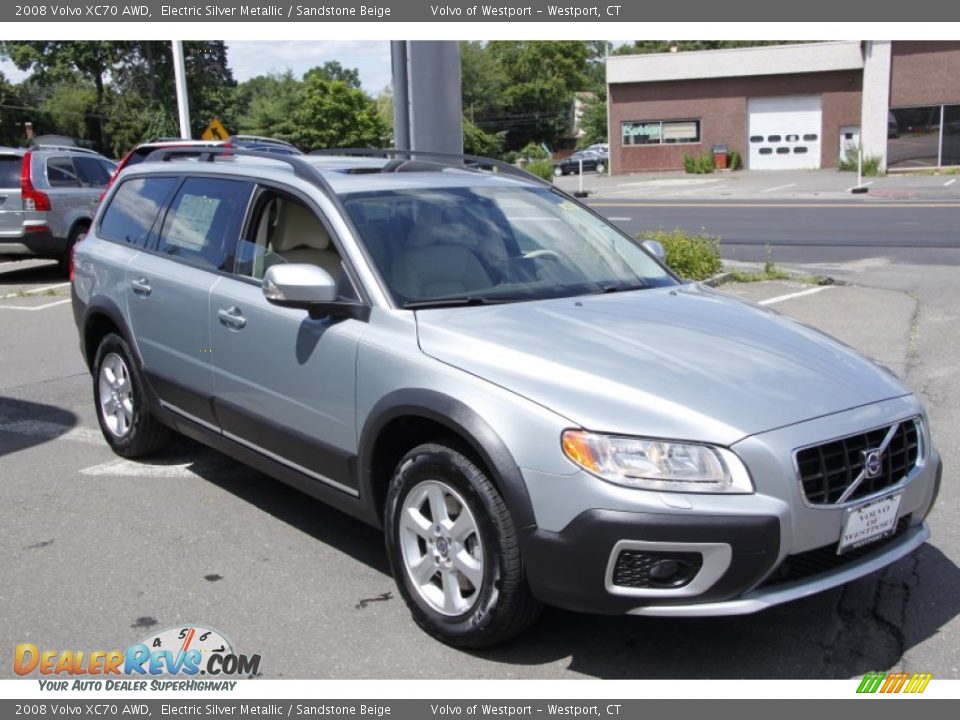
(93, 171)
(62, 173)
(134, 209)
(10, 171)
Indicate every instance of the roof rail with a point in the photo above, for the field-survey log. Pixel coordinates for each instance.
(261, 138)
(468, 162)
(70, 148)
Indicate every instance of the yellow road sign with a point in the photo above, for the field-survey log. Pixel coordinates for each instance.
(215, 131)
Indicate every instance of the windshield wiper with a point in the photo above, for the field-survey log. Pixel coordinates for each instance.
(454, 302)
(619, 287)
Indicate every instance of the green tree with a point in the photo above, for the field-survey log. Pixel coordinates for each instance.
(331, 113)
(71, 106)
(92, 59)
(478, 142)
(333, 70)
(642, 47)
(594, 122)
(268, 105)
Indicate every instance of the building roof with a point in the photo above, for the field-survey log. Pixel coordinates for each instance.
(735, 62)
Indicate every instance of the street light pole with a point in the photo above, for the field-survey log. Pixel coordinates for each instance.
(180, 78)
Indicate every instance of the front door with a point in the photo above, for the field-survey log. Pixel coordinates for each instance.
(285, 384)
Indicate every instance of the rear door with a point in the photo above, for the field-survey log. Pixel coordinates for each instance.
(168, 290)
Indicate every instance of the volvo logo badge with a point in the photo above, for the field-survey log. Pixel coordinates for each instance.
(872, 463)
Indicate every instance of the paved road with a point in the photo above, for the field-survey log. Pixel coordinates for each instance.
(98, 552)
(801, 231)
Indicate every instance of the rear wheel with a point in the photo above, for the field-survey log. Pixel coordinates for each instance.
(601, 168)
(118, 390)
(558, 171)
(454, 551)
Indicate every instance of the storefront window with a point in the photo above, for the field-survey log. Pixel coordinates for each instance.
(657, 132)
(951, 135)
(913, 137)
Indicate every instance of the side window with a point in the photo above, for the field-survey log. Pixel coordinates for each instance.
(203, 222)
(284, 230)
(61, 172)
(134, 209)
(92, 171)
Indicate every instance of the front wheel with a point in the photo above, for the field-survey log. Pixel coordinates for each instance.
(453, 550)
(122, 411)
(601, 168)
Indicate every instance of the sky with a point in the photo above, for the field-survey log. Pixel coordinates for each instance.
(248, 59)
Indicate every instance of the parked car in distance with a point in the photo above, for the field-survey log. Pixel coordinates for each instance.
(532, 407)
(48, 197)
(587, 159)
(600, 148)
(139, 153)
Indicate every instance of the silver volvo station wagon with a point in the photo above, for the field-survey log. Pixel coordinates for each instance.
(527, 401)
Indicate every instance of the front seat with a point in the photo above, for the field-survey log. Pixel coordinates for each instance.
(300, 237)
(430, 267)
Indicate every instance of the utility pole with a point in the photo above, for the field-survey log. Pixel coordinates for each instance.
(180, 77)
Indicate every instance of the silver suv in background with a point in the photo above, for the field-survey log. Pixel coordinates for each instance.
(526, 400)
(48, 197)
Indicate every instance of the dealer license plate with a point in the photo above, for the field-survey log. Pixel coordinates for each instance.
(869, 523)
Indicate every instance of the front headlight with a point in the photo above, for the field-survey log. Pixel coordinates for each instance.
(661, 465)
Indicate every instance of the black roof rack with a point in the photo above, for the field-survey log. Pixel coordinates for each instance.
(412, 160)
(301, 168)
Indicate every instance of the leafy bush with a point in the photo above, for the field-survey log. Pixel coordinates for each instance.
(693, 256)
(699, 164)
(510, 157)
(871, 163)
(532, 151)
(734, 160)
(542, 169)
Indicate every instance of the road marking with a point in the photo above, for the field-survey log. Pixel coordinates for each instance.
(52, 431)
(790, 296)
(35, 308)
(720, 205)
(34, 291)
(948, 183)
(202, 466)
(866, 184)
(619, 219)
(779, 187)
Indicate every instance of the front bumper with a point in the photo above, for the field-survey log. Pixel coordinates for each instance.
(743, 557)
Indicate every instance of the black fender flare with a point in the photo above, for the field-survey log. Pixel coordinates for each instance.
(462, 420)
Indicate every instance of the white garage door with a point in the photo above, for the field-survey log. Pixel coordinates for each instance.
(784, 132)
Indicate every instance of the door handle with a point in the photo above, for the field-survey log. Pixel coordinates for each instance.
(141, 286)
(232, 317)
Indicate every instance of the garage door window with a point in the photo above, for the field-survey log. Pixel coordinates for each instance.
(661, 132)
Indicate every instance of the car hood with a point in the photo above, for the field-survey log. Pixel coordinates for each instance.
(683, 362)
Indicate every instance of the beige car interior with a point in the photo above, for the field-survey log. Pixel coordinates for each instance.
(290, 232)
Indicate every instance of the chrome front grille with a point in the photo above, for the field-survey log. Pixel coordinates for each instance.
(842, 470)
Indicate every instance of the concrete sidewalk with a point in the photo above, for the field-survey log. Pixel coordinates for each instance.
(766, 185)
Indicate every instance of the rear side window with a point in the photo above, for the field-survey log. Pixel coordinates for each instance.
(203, 222)
(62, 173)
(93, 172)
(10, 171)
(134, 209)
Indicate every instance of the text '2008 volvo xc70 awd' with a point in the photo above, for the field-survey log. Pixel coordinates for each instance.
(532, 407)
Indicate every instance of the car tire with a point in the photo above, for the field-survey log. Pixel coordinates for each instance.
(454, 551)
(76, 235)
(558, 171)
(601, 168)
(121, 402)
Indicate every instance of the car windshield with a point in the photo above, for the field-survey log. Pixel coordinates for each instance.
(476, 245)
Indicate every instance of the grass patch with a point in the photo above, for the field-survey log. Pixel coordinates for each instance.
(871, 163)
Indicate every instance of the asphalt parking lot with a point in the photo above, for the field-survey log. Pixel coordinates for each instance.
(98, 551)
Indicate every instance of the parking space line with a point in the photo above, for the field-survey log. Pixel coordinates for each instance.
(948, 183)
(779, 187)
(34, 291)
(53, 431)
(33, 309)
(790, 296)
(619, 219)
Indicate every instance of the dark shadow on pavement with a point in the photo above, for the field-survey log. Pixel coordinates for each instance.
(29, 272)
(25, 424)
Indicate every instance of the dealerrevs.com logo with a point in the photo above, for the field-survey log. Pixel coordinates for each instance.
(179, 652)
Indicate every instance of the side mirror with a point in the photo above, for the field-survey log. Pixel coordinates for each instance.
(655, 249)
(310, 288)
